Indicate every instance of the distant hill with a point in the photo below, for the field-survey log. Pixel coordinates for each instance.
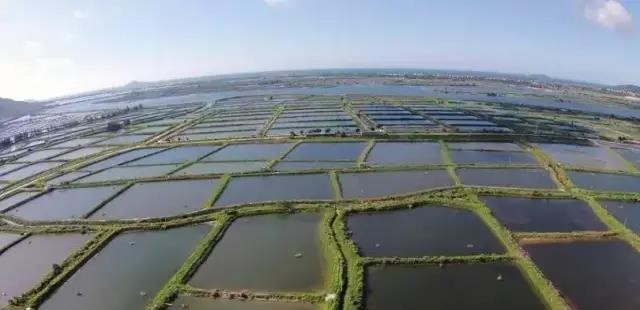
(11, 108)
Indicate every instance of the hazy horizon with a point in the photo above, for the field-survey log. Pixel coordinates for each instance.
(56, 49)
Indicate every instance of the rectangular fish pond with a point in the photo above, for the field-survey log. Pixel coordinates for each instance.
(276, 252)
(584, 156)
(203, 303)
(252, 151)
(626, 212)
(64, 204)
(343, 151)
(203, 168)
(592, 275)
(158, 199)
(492, 157)
(486, 286)
(128, 173)
(421, 231)
(25, 264)
(543, 215)
(378, 184)
(128, 271)
(176, 155)
(405, 153)
(605, 181)
(512, 177)
(255, 189)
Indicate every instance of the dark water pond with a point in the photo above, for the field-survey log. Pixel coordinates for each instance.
(7, 239)
(25, 264)
(627, 213)
(242, 190)
(121, 158)
(423, 231)
(42, 155)
(264, 151)
(346, 151)
(405, 153)
(455, 286)
(124, 139)
(77, 142)
(592, 275)
(68, 177)
(131, 264)
(491, 157)
(584, 156)
(222, 167)
(30, 170)
(158, 199)
(632, 155)
(527, 178)
(62, 204)
(195, 303)
(81, 153)
(14, 199)
(484, 146)
(389, 183)
(176, 155)
(543, 215)
(10, 167)
(260, 253)
(311, 165)
(128, 173)
(605, 182)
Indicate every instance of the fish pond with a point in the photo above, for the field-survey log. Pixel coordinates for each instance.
(512, 177)
(405, 153)
(128, 271)
(25, 264)
(592, 275)
(626, 212)
(158, 199)
(422, 231)
(276, 252)
(254, 189)
(201, 303)
(543, 215)
(389, 183)
(487, 286)
(605, 181)
(64, 204)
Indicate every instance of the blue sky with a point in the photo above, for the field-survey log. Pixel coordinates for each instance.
(51, 48)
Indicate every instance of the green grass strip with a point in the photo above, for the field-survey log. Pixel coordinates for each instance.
(612, 223)
(218, 190)
(335, 184)
(362, 159)
(429, 260)
(545, 289)
(353, 294)
(336, 281)
(272, 120)
(57, 277)
(189, 267)
(629, 165)
(558, 174)
(451, 166)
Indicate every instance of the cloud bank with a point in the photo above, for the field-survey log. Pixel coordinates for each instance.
(610, 14)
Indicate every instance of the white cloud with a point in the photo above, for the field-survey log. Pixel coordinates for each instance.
(610, 14)
(79, 14)
(33, 48)
(276, 2)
